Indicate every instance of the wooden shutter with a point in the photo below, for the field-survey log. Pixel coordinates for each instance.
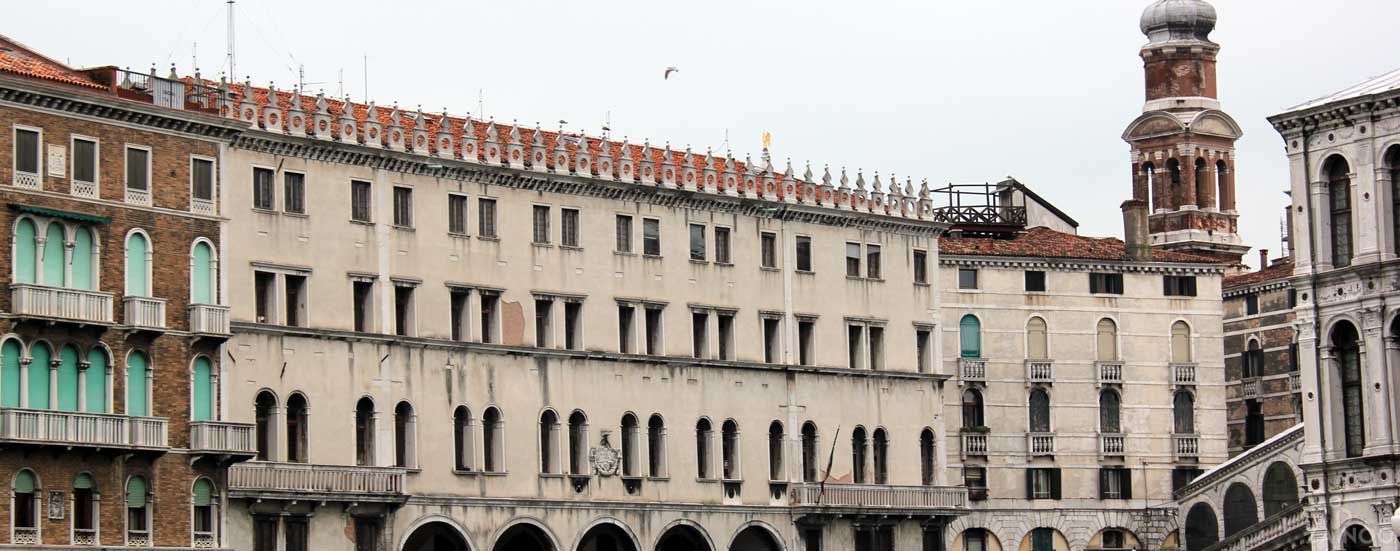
(1127, 483)
(1103, 483)
(1054, 484)
(1030, 483)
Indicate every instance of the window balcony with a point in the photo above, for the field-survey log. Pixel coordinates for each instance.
(1040, 444)
(204, 540)
(69, 428)
(85, 538)
(974, 445)
(203, 206)
(1040, 371)
(138, 197)
(144, 312)
(1109, 373)
(299, 481)
(209, 320)
(1183, 374)
(1249, 388)
(218, 437)
(25, 536)
(59, 303)
(1186, 447)
(1112, 444)
(1295, 382)
(878, 496)
(972, 370)
(27, 180)
(84, 189)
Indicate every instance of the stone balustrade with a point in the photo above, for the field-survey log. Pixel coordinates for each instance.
(1183, 373)
(68, 428)
(1186, 446)
(972, 369)
(1109, 372)
(974, 444)
(878, 496)
(260, 479)
(223, 437)
(1040, 371)
(144, 312)
(209, 319)
(1040, 443)
(1282, 523)
(1112, 444)
(61, 303)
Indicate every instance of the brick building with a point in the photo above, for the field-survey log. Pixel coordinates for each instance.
(112, 325)
(1261, 354)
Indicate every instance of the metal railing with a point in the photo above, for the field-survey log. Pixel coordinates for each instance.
(315, 479)
(1186, 446)
(972, 369)
(26, 536)
(1040, 443)
(144, 312)
(974, 444)
(1254, 537)
(879, 496)
(90, 429)
(1112, 444)
(209, 319)
(165, 92)
(59, 302)
(1110, 372)
(224, 437)
(1184, 373)
(1040, 371)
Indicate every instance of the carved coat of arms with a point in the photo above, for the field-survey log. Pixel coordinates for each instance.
(605, 458)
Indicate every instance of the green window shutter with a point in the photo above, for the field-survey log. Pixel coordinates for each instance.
(203, 390)
(24, 482)
(53, 256)
(9, 374)
(82, 260)
(97, 381)
(971, 331)
(68, 379)
(203, 493)
(136, 366)
(40, 357)
(202, 291)
(83, 482)
(136, 248)
(136, 493)
(25, 255)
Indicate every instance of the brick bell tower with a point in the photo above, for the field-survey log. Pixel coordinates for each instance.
(1183, 145)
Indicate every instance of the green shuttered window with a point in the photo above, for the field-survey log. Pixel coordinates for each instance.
(136, 367)
(971, 332)
(203, 403)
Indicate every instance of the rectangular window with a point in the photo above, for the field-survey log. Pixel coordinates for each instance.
(1035, 281)
(544, 322)
(298, 534)
(877, 347)
(1182, 476)
(975, 478)
(367, 534)
(1251, 304)
(568, 227)
(726, 336)
(922, 350)
(700, 334)
(296, 300)
(1115, 483)
(262, 189)
(361, 203)
(722, 246)
(85, 167)
(624, 234)
(772, 341)
(967, 278)
(1293, 293)
(201, 170)
(264, 533)
(573, 325)
(456, 214)
(920, 266)
(625, 318)
(852, 259)
(486, 218)
(489, 301)
(768, 249)
(812, 538)
(975, 539)
(651, 237)
(138, 169)
(403, 310)
(403, 207)
(1109, 284)
(27, 151)
(697, 242)
(654, 331)
(1179, 286)
(461, 311)
(364, 304)
(265, 289)
(806, 340)
(804, 253)
(872, 262)
(855, 346)
(1043, 483)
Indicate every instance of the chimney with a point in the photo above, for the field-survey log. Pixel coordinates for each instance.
(1135, 230)
(1263, 258)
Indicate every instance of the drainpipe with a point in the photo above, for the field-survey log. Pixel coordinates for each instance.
(1317, 326)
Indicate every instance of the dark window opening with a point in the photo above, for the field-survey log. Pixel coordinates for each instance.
(294, 192)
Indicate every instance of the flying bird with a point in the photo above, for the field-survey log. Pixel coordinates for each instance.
(669, 70)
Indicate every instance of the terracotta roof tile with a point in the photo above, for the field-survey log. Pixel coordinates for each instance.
(17, 59)
(1281, 269)
(1041, 242)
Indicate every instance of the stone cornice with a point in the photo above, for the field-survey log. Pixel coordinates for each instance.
(118, 111)
(1343, 112)
(1256, 287)
(1077, 265)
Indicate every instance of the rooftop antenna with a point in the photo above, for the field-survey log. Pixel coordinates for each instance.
(366, 92)
(232, 70)
(340, 79)
(194, 56)
(481, 102)
(607, 123)
(726, 140)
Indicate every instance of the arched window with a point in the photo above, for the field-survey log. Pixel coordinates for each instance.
(578, 443)
(202, 406)
(1149, 171)
(96, 380)
(405, 423)
(1177, 194)
(656, 446)
(1339, 210)
(1253, 364)
(880, 453)
(297, 428)
(462, 439)
(729, 449)
(493, 440)
(138, 379)
(970, 331)
(1226, 194)
(1202, 528)
(83, 256)
(1240, 509)
(40, 358)
(809, 452)
(26, 251)
(1183, 413)
(776, 472)
(364, 432)
(55, 274)
(860, 449)
(1108, 412)
(926, 457)
(630, 452)
(1037, 340)
(549, 442)
(264, 409)
(704, 434)
(1392, 163)
(202, 501)
(10, 354)
(1181, 343)
(24, 517)
(138, 265)
(1347, 351)
(1107, 340)
(1203, 185)
(972, 409)
(202, 272)
(1280, 489)
(138, 518)
(1039, 411)
(1356, 538)
(68, 378)
(85, 509)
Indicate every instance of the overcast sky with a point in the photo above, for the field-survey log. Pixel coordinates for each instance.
(967, 91)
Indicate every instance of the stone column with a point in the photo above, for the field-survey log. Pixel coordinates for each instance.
(1376, 384)
(24, 364)
(1323, 225)
(1187, 167)
(82, 384)
(1206, 197)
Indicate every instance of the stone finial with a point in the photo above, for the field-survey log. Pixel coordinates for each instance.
(296, 98)
(787, 172)
(909, 187)
(173, 75)
(322, 106)
(845, 182)
(419, 121)
(807, 172)
(538, 139)
(491, 132)
(876, 185)
(373, 112)
(468, 129)
(860, 179)
(826, 175)
(923, 190)
(514, 136)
